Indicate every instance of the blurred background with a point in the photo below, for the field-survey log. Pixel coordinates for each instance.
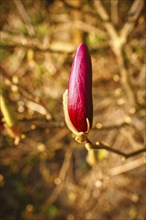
(44, 173)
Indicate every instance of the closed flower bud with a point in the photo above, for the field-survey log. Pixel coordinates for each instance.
(80, 106)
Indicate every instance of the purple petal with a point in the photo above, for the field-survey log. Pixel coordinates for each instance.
(80, 105)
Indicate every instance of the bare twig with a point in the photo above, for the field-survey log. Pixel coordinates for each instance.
(118, 40)
(71, 6)
(89, 28)
(125, 80)
(106, 21)
(64, 49)
(111, 127)
(61, 178)
(127, 167)
(23, 13)
(26, 94)
(114, 11)
(35, 48)
(52, 143)
(116, 45)
(133, 16)
(99, 145)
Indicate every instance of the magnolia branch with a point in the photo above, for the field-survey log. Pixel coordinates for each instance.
(133, 16)
(60, 179)
(25, 17)
(35, 48)
(72, 6)
(99, 145)
(38, 106)
(119, 39)
(60, 48)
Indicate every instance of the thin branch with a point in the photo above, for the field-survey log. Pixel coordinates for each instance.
(60, 179)
(90, 28)
(106, 21)
(118, 40)
(64, 50)
(34, 47)
(111, 127)
(71, 6)
(133, 16)
(114, 12)
(99, 145)
(24, 15)
(24, 91)
(127, 167)
(125, 80)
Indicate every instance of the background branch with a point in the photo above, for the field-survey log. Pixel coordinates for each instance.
(99, 145)
(118, 40)
(127, 167)
(37, 48)
(133, 16)
(24, 15)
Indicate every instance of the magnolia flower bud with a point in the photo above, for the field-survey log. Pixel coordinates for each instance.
(79, 99)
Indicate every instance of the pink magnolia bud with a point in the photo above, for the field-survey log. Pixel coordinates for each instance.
(80, 106)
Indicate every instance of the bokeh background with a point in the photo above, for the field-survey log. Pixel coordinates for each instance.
(44, 173)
